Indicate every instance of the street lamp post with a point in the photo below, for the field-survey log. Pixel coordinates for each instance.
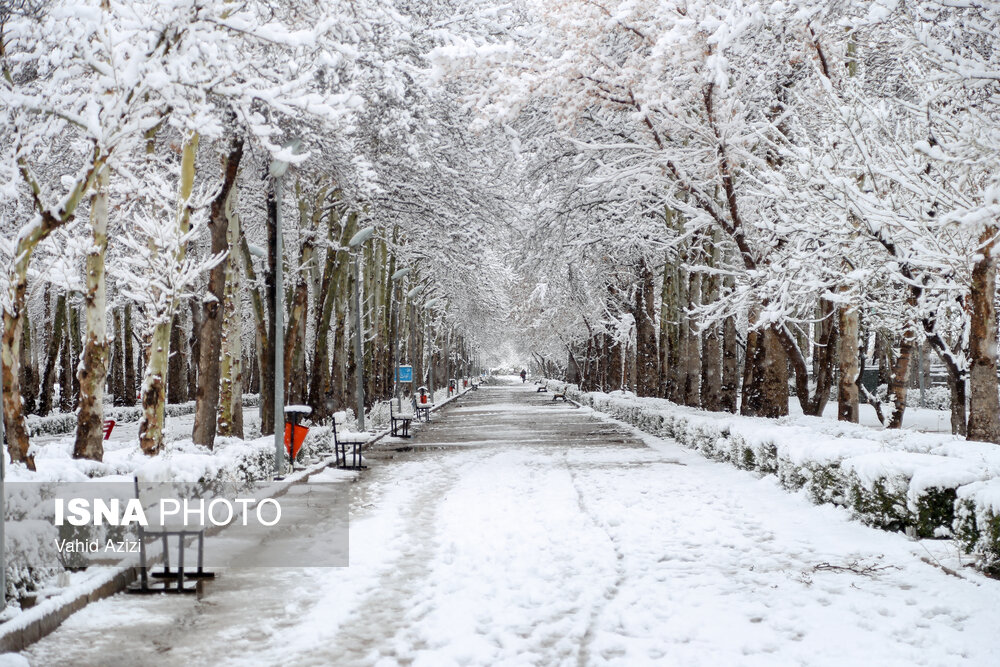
(277, 170)
(355, 244)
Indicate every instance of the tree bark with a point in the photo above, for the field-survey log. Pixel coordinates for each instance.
(177, 372)
(52, 355)
(897, 383)
(129, 357)
(678, 336)
(210, 332)
(848, 357)
(823, 355)
(231, 389)
(984, 406)
(117, 362)
(711, 346)
(93, 370)
(262, 340)
(29, 384)
(664, 342)
(692, 347)
(774, 376)
(646, 361)
(729, 389)
(66, 359)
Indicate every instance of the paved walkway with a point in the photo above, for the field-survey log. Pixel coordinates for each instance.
(517, 530)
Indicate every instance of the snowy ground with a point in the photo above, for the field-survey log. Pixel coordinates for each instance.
(516, 530)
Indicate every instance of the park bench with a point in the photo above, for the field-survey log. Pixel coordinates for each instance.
(559, 394)
(179, 579)
(343, 441)
(399, 419)
(541, 387)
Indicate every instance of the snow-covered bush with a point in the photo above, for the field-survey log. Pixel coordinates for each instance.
(977, 523)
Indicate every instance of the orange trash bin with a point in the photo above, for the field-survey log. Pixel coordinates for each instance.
(294, 444)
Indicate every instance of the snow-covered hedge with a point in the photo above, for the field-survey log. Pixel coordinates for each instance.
(931, 484)
(65, 422)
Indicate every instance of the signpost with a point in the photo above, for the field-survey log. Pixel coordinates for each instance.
(405, 374)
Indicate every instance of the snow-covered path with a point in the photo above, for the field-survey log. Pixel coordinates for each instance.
(516, 530)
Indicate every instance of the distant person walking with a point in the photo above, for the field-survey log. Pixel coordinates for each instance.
(524, 376)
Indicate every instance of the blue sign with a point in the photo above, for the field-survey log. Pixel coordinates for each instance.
(405, 374)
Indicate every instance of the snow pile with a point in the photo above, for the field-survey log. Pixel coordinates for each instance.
(932, 484)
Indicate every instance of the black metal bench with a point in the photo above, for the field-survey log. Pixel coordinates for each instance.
(341, 443)
(399, 419)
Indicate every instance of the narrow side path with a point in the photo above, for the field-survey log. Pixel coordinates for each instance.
(517, 530)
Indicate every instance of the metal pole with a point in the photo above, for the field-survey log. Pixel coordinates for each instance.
(395, 345)
(279, 338)
(358, 349)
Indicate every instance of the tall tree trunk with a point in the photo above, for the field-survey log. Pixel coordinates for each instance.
(28, 383)
(679, 337)
(848, 357)
(194, 348)
(177, 372)
(823, 356)
(154, 389)
(93, 370)
(646, 361)
(15, 427)
(711, 346)
(898, 384)
(231, 390)
(129, 357)
(692, 348)
(52, 355)
(207, 395)
(666, 313)
(750, 401)
(268, 420)
(117, 362)
(342, 386)
(161, 316)
(729, 389)
(67, 361)
(262, 345)
(77, 342)
(295, 329)
(956, 383)
(774, 376)
(984, 406)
